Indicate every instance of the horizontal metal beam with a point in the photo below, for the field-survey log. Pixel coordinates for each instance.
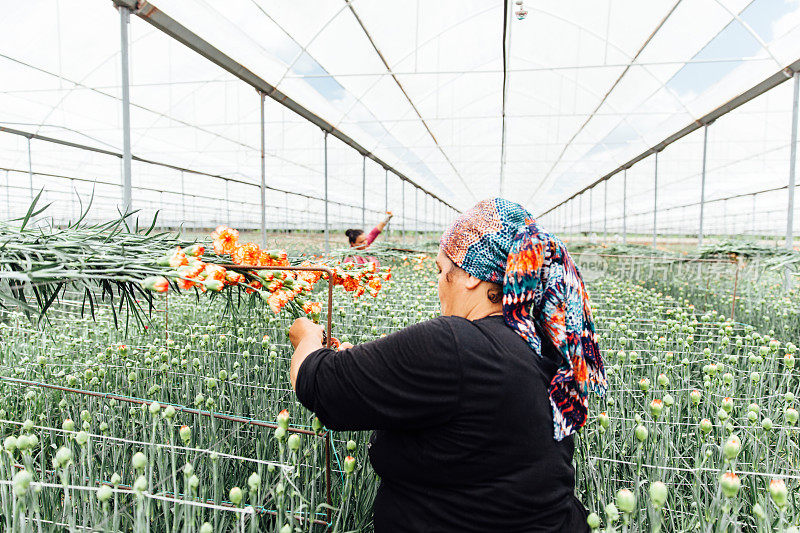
(157, 18)
(103, 151)
(754, 92)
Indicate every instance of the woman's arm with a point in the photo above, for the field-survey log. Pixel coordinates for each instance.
(381, 225)
(407, 380)
(306, 337)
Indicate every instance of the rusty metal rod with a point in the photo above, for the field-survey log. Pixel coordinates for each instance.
(331, 277)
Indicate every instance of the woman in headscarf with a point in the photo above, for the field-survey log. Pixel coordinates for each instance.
(475, 410)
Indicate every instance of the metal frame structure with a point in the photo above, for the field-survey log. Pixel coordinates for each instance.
(182, 34)
(792, 72)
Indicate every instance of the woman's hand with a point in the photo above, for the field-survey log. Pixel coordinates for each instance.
(304, 329)
(344, 346)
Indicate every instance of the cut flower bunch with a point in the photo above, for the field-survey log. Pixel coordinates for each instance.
(280, 289)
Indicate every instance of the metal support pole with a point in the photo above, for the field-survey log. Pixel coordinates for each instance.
(386, 193)
(792, 165)
(625, 206)
(183, 199)
(127, 201)
(325, 156)
(655, 200)
(605, 211)
(263, 177)
(703, 188)
(403, 192)
(227, 205)
(30, 168)
(363, 191)
(416, 215)
(590, 209)
(753, 222)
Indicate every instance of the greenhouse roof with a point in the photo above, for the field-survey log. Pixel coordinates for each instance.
(465, 99)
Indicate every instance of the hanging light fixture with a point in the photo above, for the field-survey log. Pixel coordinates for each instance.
(521, 12)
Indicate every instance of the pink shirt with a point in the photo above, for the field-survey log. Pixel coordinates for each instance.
(371, 236)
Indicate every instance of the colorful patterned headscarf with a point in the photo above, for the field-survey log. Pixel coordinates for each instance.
(543, 294)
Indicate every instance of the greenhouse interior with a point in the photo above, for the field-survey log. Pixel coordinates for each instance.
(236, 238)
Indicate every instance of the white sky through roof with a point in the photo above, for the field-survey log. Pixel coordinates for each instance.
(590, 85)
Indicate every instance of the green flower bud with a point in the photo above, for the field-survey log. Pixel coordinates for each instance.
(104, 493)
(658, 494)
(82, 438)
(68, 425)
(767, 424)
(593, 521)
(732, 447)
(612, 514)
(706, 426)
(779, 493)
(254, 481)
(20, 482)
(729, 482)
(294, 442)
(139, 461)
(351, 445)
(206, 528)
(349, 464)
(641, 433)
(235, 495)
(626, 501)
(116, 479)
(63, 457)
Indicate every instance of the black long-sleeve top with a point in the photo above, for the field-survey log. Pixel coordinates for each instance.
(464, 428)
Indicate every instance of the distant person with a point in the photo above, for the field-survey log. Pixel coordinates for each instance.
(475, 411)
(361, 241)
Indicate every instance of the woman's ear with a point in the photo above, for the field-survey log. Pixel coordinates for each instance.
(471, 282)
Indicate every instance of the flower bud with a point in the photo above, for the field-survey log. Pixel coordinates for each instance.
(82, 438)
(63, 457)
(658, 494)
(283, 419)
(185, 433)
(644, 384)
(767, 424)
(68, 425)
(139, 461)
(779, 493)
(116, 479)
(593, 521)
(706, 426)
(612, 514)
(732, 447)
(349, 464)
(194, 482)
(155, 284)
(27, 426)
(206, 528)
(169, 412)
(351, 445)
(154, 408)
(663, 380)
(235, 495)
(254, 481)
(656, 406)
(695, 396)
(669, 401)
(280, 433)
(727, 404)
(21, 482)
(626, 501)
(293, 442)
(729, 482)
(791, 416)
(104, 493)
(641, 433)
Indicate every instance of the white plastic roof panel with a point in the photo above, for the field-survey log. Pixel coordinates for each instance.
(589, 86)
